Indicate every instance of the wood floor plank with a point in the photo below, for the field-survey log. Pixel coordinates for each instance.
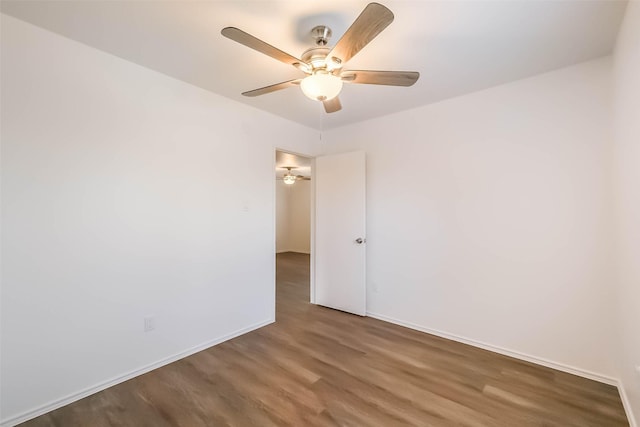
(321, 367)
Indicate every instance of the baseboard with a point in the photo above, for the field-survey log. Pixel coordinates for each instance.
(58, 403)
(627, 405)
(515, 354)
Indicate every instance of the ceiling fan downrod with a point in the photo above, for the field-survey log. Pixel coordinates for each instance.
(321, 35)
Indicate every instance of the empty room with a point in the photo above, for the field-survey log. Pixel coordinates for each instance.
(320, 213)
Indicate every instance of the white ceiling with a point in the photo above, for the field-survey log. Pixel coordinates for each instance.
(457, 46)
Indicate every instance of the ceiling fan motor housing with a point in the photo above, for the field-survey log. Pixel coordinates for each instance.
(315, 57)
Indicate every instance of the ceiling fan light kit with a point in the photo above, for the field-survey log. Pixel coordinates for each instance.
(323, 66)
(321, 85)
(289, 178)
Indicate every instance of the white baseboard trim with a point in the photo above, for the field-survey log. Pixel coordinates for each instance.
(515, 354)
(627, 405)
(58, 403)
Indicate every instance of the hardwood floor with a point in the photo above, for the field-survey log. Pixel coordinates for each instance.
(320, 367)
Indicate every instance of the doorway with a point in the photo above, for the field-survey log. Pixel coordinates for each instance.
(294, 201)
(320, 228)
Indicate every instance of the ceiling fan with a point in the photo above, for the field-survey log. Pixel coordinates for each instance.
(323, 65)
(290, 178)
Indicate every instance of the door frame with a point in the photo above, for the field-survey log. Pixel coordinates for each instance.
(312, 224)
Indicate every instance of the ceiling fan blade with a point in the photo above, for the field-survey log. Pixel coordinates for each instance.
(272, 88)
(373, 19)
(255, 43)
(390, 78)
(332, 105)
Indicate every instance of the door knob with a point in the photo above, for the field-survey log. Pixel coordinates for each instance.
(360, 240)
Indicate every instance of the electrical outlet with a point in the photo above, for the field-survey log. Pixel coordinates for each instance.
(149, 323)
(638, 369)
(374, 287)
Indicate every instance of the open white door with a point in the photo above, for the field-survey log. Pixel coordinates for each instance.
(340, 232)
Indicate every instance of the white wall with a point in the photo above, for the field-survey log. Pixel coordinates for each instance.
(488, 216)
(117, 203)
(627, 198)
(300, 217)
(282, 217)
(293, 217)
